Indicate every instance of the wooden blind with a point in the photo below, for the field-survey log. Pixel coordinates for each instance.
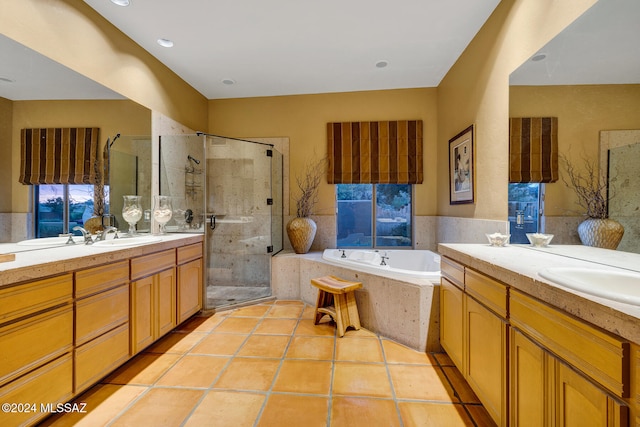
(385, 152)
(533, 149)
(58, 155)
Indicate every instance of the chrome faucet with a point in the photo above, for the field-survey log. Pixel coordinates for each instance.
(85, 234)
(383, 257)
(107, 229)
(343, 254)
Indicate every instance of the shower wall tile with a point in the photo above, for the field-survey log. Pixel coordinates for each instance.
(468, 230)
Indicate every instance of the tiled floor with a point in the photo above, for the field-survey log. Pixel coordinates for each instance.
(269, 365)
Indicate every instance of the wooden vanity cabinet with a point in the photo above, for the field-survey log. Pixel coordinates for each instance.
(451, 310)
(153, 298)
(189, 292)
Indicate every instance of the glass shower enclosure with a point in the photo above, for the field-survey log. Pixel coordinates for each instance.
(230, 189)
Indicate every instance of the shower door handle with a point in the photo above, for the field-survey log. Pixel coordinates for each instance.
(212, 222)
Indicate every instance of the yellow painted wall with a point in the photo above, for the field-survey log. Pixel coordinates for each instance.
(582, 111)
(73, 34)
(6, 112)
(476, 91)
(112, 117)
(303, 119)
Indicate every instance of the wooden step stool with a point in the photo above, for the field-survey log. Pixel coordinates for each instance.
(337, 299)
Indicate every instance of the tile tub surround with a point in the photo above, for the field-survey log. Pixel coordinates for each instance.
(518, 266)
(268, 365)
(403, 309)
(36, 264)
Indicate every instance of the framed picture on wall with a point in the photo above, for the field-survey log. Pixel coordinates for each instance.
(461, 176)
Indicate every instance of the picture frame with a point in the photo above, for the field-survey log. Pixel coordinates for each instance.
(461, 168)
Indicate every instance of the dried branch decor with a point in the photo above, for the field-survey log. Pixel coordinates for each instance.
(308, 184)
(591, 189)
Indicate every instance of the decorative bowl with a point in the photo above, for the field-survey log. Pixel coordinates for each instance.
(498, 239)
(539, 240)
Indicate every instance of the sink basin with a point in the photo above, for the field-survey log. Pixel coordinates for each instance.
(126, 241)
(49, 241)
(614, 285)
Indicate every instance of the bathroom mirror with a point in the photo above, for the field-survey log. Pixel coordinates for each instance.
(589, 77)
(38, 92)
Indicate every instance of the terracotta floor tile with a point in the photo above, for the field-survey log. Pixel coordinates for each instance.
(304, 376)
(165, 407)
(317, 348)
(480, 415)
(176, 342)
(324, 329)
(421, 382)
(361, 379)
(460, 385)
(226, 409)
(428, 414)
(356, 411)
(359, 350)
(251, 311)
(276, 326)
(144, 369)
(200, 324)
(269, 346)
(294, 410)
(219, 344)
(309, 312)
(237, 325)
(443, 359)
(103, 403)
(286, 311)
(398, 353)
(194, 371)
(248, 374)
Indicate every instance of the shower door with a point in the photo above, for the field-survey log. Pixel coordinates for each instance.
(239, 218)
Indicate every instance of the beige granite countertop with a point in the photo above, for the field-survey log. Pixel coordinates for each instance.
(518, 266)
(44, 262)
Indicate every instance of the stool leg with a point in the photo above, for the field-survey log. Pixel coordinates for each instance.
(325, 299)
(342, 315)
(352, 309)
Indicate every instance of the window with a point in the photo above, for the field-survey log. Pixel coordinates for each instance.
(60, 207)
(356, 212)
(525, 210)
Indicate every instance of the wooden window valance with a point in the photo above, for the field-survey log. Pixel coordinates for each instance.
(533, 149)
(58, 155)
(385, 152)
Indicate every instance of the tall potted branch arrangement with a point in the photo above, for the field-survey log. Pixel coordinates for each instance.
(592, 195)
(302, 229)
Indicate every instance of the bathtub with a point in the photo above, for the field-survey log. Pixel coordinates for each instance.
(417, 264)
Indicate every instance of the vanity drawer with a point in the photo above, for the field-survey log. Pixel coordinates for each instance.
(189, 253)
(100, 313)
(28, 298)
(97, 279)
(27, 344)
(598, 354)
(49, 384)
(452, 271)
(99, 357)
(486, 290)
(154, 263)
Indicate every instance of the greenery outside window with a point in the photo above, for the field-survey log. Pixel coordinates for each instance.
(361, 223)
(60, 207)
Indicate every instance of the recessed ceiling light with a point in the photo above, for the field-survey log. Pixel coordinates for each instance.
(121, 2)
(165, 42)
(538, 57)
(228, 81)
(383, 63)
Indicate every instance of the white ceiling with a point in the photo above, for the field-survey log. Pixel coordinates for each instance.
(285, 47)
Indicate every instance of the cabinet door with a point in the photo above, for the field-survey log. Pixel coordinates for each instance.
(529, 382)
(189, 289)
(580, 403)
(451, 321)
(142, 314)
(165, 296)
(486, 349)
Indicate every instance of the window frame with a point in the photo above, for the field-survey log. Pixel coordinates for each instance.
(66, 210)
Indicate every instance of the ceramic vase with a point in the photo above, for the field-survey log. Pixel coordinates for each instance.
(600, 233)
(301, 232)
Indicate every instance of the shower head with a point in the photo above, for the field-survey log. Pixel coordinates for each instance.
(196, 161)
(114, 139)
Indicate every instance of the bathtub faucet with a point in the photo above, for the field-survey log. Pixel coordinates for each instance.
(343, 254)
(383, 257)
